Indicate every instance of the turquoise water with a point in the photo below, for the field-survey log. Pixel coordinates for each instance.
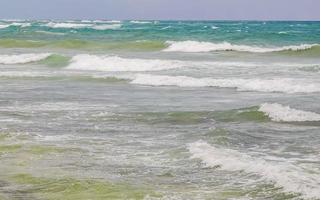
(235, 32)
(159, 110)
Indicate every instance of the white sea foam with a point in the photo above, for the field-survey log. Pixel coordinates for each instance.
(282, 32)
(214, 27)
(23, 74)
(261, 85)
(107, 21)
(140, 22)
(280, 113)
(50, 33)
(107, 27)
(115, 63)
(22, 58)
(80, 26)
(113, 21)
(44, 106)
(86, 21)
(292, 178)
(21, 24)
(195, 46)
(66, 25)
(167, 27)
(13, 20)
(3, 26)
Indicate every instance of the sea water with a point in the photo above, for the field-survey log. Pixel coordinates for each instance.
(99, 109)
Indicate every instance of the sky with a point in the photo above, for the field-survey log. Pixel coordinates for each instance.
(162, 9)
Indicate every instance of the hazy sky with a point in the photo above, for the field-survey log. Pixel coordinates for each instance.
(161, 9)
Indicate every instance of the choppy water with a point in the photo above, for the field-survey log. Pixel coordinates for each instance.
(159, 110)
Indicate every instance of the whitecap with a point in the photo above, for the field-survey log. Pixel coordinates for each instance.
(22, 25)
(22, 58)
(283, 32)
(165, 28)
(107, 27)
(67, 25)
(195, 46)
(261, 85)
(80, 26)
(290, 177)
(3, 26)
(140, 22)
(116, 63)
(280, 113)
(113, 21)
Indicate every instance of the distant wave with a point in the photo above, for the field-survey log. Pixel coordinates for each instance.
(113, 21)
(3, 26)
(261, 85)
(167, 27)
(66, 25)
(22, 25)
(107, 21)
(115, 63)
(80, 26)
(286, 175)
(107, 27)
(140, 22)
(280, 113)
(195, 46)
(22, 58)
(283, 32)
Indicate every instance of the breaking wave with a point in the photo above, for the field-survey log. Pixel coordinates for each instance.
(107, 27)
(22, 25)
(115, 63)
(140, 22)
(261, 85)
(80, 26)
(195, 46)
(291, 178)
(3, 26)
(66, 25)
(280, 113)
(22, 58)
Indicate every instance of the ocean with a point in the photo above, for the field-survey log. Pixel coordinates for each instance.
(98, 109)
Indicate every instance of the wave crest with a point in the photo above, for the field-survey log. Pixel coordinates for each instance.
(115, 63)
(3, 26)
(140, 22)
(260, 85)
(291, 178)
(107, 27)
(280, 113)
(197, 47)
(80, 26)
(22, 58)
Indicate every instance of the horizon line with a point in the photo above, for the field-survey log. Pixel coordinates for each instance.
(79, 19)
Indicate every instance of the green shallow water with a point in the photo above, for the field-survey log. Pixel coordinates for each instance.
(68, 188)
(192, 117)
(84, 44)
(55, 61)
